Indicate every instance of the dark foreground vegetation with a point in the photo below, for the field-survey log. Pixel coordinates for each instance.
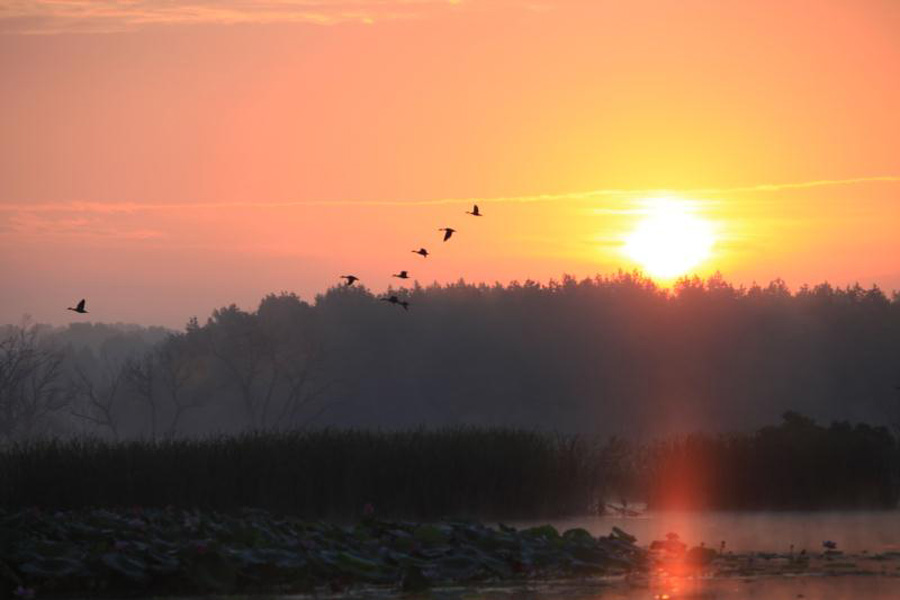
(606, 355)
(319, 474)
(154, 552)
(797, 465)
(462, 472)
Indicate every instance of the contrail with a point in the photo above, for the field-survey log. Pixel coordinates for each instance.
(583, 196)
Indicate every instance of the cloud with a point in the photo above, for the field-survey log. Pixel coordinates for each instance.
(74, 208)
(67, 224)
(110, 16)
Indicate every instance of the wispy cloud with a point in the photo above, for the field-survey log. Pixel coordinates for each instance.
(574, 197)
(109, 16)
(67, 224)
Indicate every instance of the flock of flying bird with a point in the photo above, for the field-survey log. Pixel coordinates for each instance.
(394, 299)
(351, 279)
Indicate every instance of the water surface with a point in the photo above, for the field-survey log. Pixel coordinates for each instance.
(767, 588)
(855, 532)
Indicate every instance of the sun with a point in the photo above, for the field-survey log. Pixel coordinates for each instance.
(671, 239)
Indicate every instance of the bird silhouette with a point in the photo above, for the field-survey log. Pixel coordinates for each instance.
(474, 212)
(401, 275)
(397, 301)
(79, 308)
(351, 279)
(447, 232)
(421, 251)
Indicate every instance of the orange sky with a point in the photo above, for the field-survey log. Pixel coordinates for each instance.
(162, 159)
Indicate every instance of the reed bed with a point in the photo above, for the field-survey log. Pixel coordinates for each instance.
(317, 474)
(463, 472)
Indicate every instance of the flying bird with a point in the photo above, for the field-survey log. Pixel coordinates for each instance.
(79, 308)
(351, 279)
(447, 232)
(397, 301)
(421, 251)
(474, 212)
(401, 275)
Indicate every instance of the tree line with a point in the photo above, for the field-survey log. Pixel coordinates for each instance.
(611, 355)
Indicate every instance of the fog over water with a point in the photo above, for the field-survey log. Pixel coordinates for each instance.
(854, 531)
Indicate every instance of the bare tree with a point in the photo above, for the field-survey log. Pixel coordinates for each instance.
(235, 340)
(140, 374)
(304, 386)
(165, 381)
(98, 402)
(30, 390)
(177, 375)
(274, 359)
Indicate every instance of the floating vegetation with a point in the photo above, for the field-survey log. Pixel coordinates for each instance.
(171, 551)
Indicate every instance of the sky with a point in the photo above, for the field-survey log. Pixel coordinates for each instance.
(162, 159)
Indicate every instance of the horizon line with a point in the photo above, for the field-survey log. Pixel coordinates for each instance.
(666, 286)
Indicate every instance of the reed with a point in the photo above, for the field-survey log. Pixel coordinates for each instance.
(461, 472)
(316, 474)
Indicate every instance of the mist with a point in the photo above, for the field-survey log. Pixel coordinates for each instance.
(613, 355)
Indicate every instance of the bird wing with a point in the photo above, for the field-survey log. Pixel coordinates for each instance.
(81, 305)
(447, 234)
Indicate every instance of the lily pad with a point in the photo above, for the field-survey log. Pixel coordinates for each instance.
(126, 566)
(53, 567)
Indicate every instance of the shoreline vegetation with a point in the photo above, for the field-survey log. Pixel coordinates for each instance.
(462, 473)
(172, 552)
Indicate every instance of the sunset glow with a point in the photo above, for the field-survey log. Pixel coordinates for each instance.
(670, 240)
(165, 160)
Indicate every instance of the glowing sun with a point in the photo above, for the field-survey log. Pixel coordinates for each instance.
(671, 239)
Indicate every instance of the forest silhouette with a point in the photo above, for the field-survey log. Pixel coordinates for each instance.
(614, 355)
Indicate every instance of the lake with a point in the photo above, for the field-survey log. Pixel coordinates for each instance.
(766, 588)
(854, 531)
(811, 588)
(867, 568)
